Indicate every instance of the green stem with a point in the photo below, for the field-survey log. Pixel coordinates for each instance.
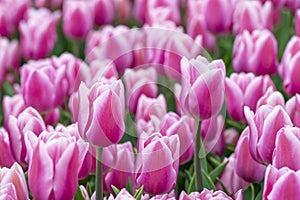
(197, 160)
(99, 188)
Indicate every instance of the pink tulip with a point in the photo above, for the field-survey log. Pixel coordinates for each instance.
(260, 49)
(104, 12)
(13, 106)
(136, 86)
(157, 164)
(281, 183)
(147, 107)
(198, 83)
(293, 109)
(231, 136)
(11, 13)
(102, 68)
(293, 4)
(272, 98)
(221, 21)
(263, 128)
(297, 22)
(169, 196)
(184, 127)
(276, 3)
(123, 10)
(14, 176)
(245, 166)
(195, 24)
(230, 178)
(212, 133)
(245, 89)
(38, 33)
(205, 195)
(49, 3)
(28, 120)
(101, 111)
(288, 69)
(6, 156)
(44, 86)
(8, 191)
(123, 169)
(287, 140)
(9, 56)
(245, 19)
(78, 18)
(54, 164)
(52, 117)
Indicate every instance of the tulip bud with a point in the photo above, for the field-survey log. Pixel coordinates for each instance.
(293, 109)
(245, 19)
(78, 18)
(159, 155)
(104, 12)
(288, 68)
(245, 90)
(260, 49)
(38, 33)
(263, 128)
(281, 183)
(245, 166)
(198, 83)
(102, 123)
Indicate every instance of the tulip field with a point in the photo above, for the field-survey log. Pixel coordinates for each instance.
(150, 99)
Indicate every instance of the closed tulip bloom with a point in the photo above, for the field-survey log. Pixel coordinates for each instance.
(221, 21)
(28, 120)
(198, 83)
(288, 69)
(230, 178)
(15, 176)
(78, 18)
(6, 157)
(272, 98)
(157, 164)
(104, 12)
(13, 105)
(263, 127)
(260, 49)
(252, 15)
(123, 10)
(102, 68)
(287, 140)
(245, 89)
(54, 164)
(38, 33)
(281, 183)
(136, 86)
(293, 109)
(245, 166)
(101, 111)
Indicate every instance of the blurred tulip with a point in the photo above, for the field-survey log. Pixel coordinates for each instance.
(54, 165)
(49, 3)
(28, 120)
(14, 176)
(104, 12)
(276, 3)
(195, 24)
(38, 33)
(102, 123)
(231, 136)
(281, 183)
(288, 69)
(13, 105)
(263, 128)
(245, 166)
(168, 196)
(136, 86)
(78, 18)
(44, 86)
(293, 5)
(260, 49)
(297, 22)
(198, 83)
(230, 178)
(286, 151)
(157, 164)
(245, 89)
(205, 195)
(245, 19)
(293, 109)
(102, 68)
(6, 156)
(123, 10)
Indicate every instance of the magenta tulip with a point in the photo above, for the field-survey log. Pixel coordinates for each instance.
(102, 68)
(6, 157)
(49, 3)
(245, 89)
(101, 111)
(136, 86)
(293, 109)
(104, 12)
(198, 83)
(272, 98)
(293, 4)
(260, 49)
(281, 183)
(245, 166)
(263, 128)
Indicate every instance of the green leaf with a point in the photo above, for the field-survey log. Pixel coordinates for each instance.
(249, 193)
(139, 193)
(214, 160)
(129, 186)
(207, 182)
(115, 189)
(259, 195)
(217, 171)
(191, 187)
(78, 195)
